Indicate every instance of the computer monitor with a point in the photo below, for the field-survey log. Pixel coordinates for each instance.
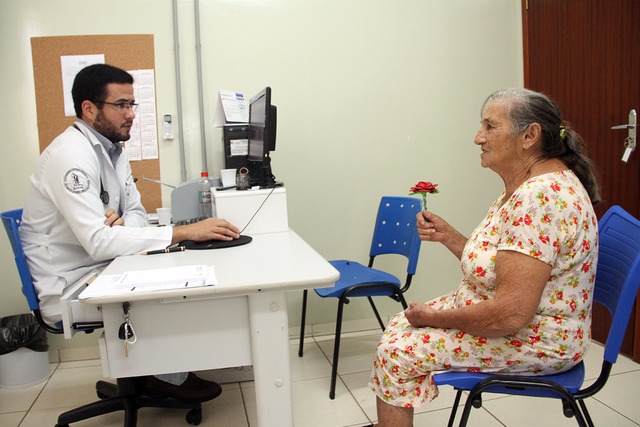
(262, 138)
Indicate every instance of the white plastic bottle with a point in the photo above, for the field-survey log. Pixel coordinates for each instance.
(204, 195)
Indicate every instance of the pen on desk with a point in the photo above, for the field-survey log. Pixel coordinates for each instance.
(164, 251)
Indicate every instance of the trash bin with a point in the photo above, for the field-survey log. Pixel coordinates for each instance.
(24, 360)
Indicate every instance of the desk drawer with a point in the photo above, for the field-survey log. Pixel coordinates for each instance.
(181, 336)
(73, 311)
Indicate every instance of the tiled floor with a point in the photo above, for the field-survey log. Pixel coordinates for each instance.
(72, 384)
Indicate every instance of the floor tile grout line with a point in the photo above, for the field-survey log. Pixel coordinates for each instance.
(613, 409)
(35, 399)
(244, 405)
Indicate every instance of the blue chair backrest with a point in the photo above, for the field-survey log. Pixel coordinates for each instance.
(11, 221)
(395, 231)
(618, 273)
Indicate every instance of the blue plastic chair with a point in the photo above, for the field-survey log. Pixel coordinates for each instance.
(126, 395)
(394, 233)
(617, 281)
(11, 221)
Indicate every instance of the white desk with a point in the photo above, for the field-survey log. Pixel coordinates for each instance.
(242, 321)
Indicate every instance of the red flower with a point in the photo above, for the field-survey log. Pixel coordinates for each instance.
(424, 187)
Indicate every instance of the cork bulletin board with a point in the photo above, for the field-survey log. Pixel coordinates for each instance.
(129, 52)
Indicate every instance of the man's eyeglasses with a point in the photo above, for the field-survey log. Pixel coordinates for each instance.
(122, 107)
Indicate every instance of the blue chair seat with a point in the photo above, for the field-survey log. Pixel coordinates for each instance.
(571, 380)
(353, 273)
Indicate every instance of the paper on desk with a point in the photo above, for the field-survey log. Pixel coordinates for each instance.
(190, 276)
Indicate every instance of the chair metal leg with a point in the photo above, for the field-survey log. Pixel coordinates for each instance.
(402, 300)
(509, 382)
(336, 348)
(585, 412)
(302, 322)
(454, 410)
(130, 413)
(466, 411)
(375, 310)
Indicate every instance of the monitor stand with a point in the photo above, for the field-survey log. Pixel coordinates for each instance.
(261, 174)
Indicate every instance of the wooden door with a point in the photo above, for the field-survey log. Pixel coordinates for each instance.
(584, 54)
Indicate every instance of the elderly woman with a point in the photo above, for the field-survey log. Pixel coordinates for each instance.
(524, 303)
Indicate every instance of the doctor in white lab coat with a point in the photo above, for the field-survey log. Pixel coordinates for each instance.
(82, 207)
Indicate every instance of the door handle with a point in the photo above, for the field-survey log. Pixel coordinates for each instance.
(630, 141)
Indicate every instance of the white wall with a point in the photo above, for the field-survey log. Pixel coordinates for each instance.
(372, 97)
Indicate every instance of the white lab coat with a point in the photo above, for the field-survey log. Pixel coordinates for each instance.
(63, 231)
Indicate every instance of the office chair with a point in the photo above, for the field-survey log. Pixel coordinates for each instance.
(126, 395)
(616, 286)
(394, 233)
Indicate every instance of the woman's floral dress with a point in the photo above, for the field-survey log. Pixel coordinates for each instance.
(550, 218)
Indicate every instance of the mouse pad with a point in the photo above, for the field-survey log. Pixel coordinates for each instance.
(216, 244)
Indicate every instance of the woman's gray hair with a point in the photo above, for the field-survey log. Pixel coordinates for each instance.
(525, 107)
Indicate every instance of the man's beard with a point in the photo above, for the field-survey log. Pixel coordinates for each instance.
(109, 130)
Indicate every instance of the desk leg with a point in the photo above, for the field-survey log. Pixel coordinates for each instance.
(270, 351)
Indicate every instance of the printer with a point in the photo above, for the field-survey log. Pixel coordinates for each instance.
(184, 200)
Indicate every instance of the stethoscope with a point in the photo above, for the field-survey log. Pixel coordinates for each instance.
(104, 195)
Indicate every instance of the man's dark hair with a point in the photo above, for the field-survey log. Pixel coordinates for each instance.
(91, 83)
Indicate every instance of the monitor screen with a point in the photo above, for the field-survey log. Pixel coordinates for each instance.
(262, 137)
(262, 125)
